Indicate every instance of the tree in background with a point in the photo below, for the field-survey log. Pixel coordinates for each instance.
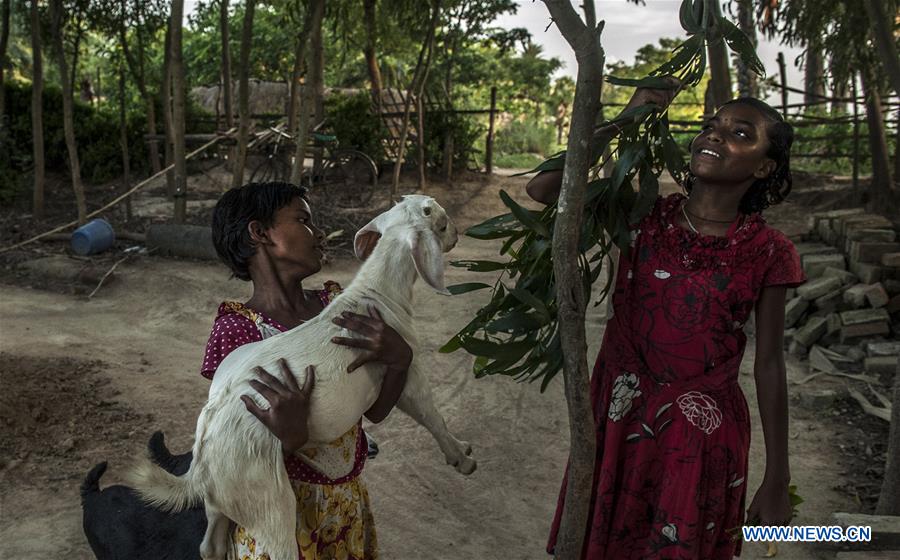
(844, 33)
(244, 95)
(37, 121)
(4, 43)
(57, 30)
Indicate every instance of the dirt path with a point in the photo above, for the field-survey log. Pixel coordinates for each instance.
(91, 380)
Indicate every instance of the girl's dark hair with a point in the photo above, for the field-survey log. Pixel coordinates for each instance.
(774, 188)
(234, 212)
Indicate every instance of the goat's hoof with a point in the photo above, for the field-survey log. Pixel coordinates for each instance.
(466, 465)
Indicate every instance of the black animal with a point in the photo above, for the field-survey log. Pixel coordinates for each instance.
(120, 526)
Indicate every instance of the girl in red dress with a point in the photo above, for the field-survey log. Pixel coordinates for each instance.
(673, 428)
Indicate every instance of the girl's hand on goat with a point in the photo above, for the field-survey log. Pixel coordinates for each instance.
(288, 405)
(383, 343)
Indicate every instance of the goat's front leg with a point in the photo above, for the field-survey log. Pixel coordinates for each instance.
(416, 401)
(215, 541)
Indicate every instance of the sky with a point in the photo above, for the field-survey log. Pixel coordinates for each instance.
(628, 27)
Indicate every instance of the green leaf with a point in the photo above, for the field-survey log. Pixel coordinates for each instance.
(451, 346)
(682, 56)
(655, 82)
(530, 300)
(646, 197)
(529, 218)
(517, 322)
(686, 14)
(554, 163)
(506, 351)
(466, 287)
(479, 266)
(740, 43)
(494, 228)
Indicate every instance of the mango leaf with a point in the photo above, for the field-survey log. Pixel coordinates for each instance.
(740, 43)
(466, 287)
(530, 218)
(479, 266)
(655, 82)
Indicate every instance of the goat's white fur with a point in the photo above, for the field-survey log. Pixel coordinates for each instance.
(237, 469)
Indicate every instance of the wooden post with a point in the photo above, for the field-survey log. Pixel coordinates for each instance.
(855, 134)
(489, 146)
(784, 93)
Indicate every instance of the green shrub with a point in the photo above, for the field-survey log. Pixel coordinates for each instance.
(520, 137)
(96, 133)
(350, 118)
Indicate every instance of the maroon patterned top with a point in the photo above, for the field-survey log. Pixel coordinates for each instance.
(236, 325)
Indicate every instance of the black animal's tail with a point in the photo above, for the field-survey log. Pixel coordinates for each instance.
(91, 484)
(159, 453)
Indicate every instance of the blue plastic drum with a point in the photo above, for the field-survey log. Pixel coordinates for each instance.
(93, 237)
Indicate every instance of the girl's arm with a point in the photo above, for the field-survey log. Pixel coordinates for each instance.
(771, 504)
(544, 187)
(386, 346)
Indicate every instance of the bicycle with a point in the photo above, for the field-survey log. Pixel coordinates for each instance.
(348, 177)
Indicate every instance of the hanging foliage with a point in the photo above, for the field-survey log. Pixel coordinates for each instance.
(516, 333)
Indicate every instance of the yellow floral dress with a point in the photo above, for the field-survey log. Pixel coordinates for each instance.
(334, 515)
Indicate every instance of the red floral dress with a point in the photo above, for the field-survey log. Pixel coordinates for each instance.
(673, 430)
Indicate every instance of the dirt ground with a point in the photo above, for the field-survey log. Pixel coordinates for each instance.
(86, 380)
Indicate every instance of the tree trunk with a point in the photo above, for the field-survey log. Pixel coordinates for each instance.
(420, 69)
(165, 94)
(176, 63)
(123, 140)
(889, 499)
(315, 15)
(585, 41)
(37, 119)
(719, 88)
(244, 95)
(420, 142)
(56, 17)
(226, 64)
(813, 77)
(371, 24)
(79, 32)
(4, 41)
(297, 73)
(840, 90)
(881, 195)
(317, 83)
(747, 82)
(137, 72)
(884, 41)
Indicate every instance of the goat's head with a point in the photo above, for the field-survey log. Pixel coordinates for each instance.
(423, 225)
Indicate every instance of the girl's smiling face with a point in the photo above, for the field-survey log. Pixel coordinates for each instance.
(295, 242)
(732, 147)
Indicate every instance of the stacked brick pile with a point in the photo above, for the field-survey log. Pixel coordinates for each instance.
(849, 309)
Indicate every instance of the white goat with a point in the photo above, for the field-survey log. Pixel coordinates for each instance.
(238, 468)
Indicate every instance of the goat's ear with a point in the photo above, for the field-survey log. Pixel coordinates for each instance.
(429, 259)
(366, 238)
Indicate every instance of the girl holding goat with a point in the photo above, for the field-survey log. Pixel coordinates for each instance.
(265, 234)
